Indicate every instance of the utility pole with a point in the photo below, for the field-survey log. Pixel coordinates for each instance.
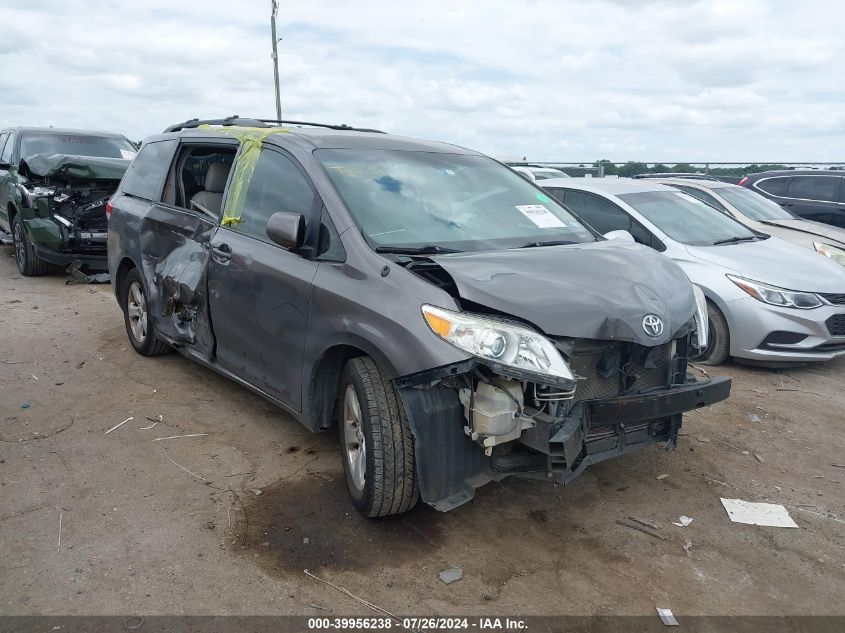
(275, 56)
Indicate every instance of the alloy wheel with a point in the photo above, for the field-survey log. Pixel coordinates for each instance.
(20, 245)
(354, 443)
(136, 310)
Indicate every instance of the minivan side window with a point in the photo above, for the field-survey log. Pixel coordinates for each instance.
(814, 187)
(773, 186)
(277, 185)
(6, 157)
(145, 176)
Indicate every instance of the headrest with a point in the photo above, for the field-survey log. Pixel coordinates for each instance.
(215, 179)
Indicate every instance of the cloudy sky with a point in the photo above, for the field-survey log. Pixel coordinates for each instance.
(671, 80)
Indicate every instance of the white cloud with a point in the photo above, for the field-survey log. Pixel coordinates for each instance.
(662, 80)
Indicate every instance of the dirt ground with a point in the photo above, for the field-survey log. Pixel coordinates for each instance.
(225, 523)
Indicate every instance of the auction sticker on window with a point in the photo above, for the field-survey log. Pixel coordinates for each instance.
(540, 216)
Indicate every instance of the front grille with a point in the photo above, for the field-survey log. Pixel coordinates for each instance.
(835, 299)
(836, 325)
(609, 369)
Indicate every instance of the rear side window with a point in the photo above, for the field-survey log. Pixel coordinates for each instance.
(773, 186)
(599, 213)
(706, 198)
(6, 156)
(145, 176)
(277, 185)
(822, 188)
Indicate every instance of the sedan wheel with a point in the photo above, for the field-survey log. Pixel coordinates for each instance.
(20, 246)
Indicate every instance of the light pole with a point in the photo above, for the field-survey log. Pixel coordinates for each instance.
(275, 56)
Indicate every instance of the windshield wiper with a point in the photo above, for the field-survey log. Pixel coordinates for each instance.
(547, 243)
(429, 249)
(736, 240)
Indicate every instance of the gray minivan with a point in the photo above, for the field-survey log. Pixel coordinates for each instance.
(450, 320)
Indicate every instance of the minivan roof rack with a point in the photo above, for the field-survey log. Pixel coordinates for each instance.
(238, 121)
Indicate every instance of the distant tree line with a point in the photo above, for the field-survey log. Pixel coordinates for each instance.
(632, 168)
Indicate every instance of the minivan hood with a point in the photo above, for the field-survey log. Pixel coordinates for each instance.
(778, 263)
(599, 290)
(827, 233)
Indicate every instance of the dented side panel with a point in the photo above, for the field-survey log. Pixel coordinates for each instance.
(174, 252)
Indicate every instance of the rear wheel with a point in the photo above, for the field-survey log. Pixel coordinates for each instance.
(136, 317)
(376, 443)
(29, 263)
(718, 339)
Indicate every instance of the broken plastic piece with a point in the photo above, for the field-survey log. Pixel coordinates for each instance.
(666, 617)
(765, 514)
(682, 521)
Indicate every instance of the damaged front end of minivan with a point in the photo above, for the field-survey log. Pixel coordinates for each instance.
(64, 202)
(554, 384)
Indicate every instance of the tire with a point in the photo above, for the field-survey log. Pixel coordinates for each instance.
(29, 263)
(377, 446)
(718, 340)
(133, 301)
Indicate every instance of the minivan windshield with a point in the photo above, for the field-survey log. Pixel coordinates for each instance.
(688, 220)
(437, 202)
(754, 205)
(76, 145)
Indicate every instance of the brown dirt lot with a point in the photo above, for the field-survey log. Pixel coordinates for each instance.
(140, 534)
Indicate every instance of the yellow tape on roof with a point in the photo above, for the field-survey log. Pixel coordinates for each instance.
(250, 139)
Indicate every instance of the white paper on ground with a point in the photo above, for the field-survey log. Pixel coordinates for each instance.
(767, 514)
(666, 617)
(683, 521)
(540, 216)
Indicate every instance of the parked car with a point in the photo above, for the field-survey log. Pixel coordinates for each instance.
(812, 194)
(54, 186)
(762, 214)
(768, 300)
(454, 323)
(539, 173)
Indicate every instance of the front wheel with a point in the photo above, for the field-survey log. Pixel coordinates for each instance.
(29, 263)
(376, 442)
(718, 339)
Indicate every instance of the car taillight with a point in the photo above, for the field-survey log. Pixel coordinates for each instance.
(743, 181)
(108, 209)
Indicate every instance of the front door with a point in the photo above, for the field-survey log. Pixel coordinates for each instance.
(258, 291)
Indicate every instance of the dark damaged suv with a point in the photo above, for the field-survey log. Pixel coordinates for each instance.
(454, 324)
(54, 187)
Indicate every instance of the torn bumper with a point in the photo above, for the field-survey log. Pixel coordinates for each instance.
(451, 465)
(59, 241)
(602, 429)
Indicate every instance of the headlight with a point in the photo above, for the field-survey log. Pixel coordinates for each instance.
(507, 344)
(702, 322)
(777, 296)
(833, 252)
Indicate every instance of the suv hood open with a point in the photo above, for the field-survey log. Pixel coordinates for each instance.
(599, 290)
(69, 167)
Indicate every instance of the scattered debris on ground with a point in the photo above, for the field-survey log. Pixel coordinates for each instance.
(765, 514)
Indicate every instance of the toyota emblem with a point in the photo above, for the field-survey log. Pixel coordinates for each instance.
(652, 325)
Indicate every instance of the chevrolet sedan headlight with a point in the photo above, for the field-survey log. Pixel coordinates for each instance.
(778, 296)
(499, 342)
(833, 252)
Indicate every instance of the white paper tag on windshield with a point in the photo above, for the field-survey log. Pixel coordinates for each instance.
(540, 216)
(127, 154)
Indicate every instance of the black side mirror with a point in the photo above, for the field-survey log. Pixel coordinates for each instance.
(287, 229)
(5, 166)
